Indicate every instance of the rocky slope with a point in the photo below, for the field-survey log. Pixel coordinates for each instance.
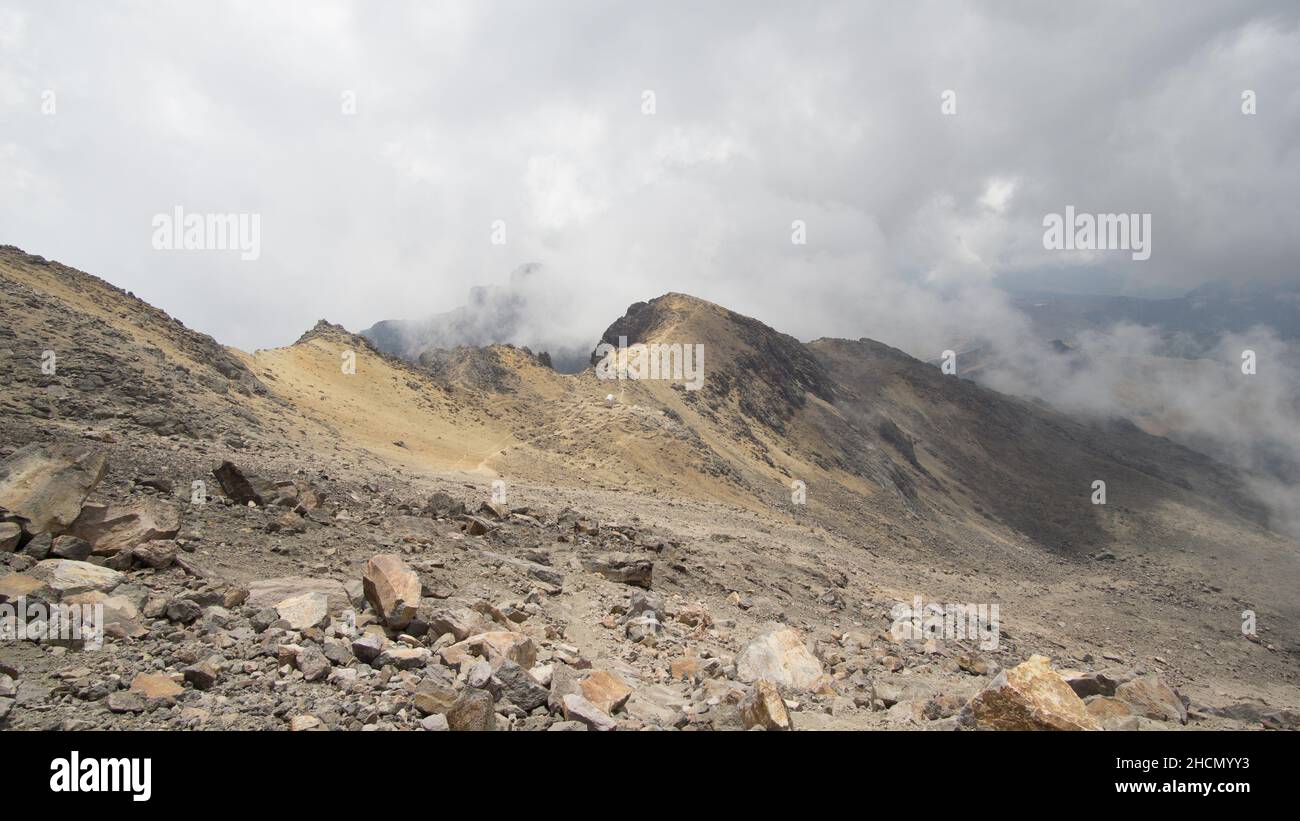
(489, 544)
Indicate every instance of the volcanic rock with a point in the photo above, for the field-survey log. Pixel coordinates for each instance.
(1030, 696)
(46, 485)
(112, 528)
(765, 708)
(392, 588)
(779, 655)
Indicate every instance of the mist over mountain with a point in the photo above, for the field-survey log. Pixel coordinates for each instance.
(524, 312)
(1174, 367)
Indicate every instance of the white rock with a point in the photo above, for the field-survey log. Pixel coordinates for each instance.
(779, 655)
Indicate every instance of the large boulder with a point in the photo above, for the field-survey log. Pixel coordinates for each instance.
(15, 586)
(120, 615)
(1029, 696)
(64, 577)
(45, 485)
(270, 592)
(114, 528)
(392, 588)
(622, 567)
(304, 610)
(519, 687)
(472, 711)
(606, 690)
(242, 487)
(497, 646)
(779, 655)
(1150, 697)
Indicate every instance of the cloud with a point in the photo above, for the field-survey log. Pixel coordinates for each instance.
(468, 113)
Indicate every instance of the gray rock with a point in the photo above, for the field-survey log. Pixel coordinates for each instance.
(264, 618)
(479, 674)
(564, 681)
(38, 548)
(367, 647)
(622, 567)
(435, 723)
(70, 547)
(203, 676)
(567, 726)
(183, 610)
(472, 711)
(46, 485)
(577, 708)
(312, 662)
(519, 687)
(125, 701)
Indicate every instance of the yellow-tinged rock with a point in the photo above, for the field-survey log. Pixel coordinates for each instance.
(765, 708)
(606, 690)
(496, 646)
(1107, 707)
(16, 586)
(685, 667)
(155, 685)
(1151, 697)
(1030, 696)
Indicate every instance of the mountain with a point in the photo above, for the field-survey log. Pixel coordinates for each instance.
(520, 313)
(1175, 368)
(1191, 324)
(649, 530)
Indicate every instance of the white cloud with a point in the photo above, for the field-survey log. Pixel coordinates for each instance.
(531, 113)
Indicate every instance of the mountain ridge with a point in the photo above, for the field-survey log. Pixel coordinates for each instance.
(913, 481)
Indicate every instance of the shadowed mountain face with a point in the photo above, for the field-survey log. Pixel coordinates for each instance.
(1215, 370)
(940, 444)
(520, 313)
(812, 483)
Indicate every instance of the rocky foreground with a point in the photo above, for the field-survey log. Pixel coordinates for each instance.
(495, 618)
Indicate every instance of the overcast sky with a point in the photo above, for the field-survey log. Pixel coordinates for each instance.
(532, 114)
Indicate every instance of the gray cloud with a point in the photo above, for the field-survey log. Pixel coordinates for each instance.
(765, 113)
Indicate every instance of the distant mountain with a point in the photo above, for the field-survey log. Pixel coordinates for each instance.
(521, 313)
(1192, 323)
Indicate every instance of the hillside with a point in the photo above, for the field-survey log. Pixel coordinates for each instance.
(667, 499)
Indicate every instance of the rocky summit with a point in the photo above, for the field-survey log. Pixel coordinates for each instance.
(823, 535)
